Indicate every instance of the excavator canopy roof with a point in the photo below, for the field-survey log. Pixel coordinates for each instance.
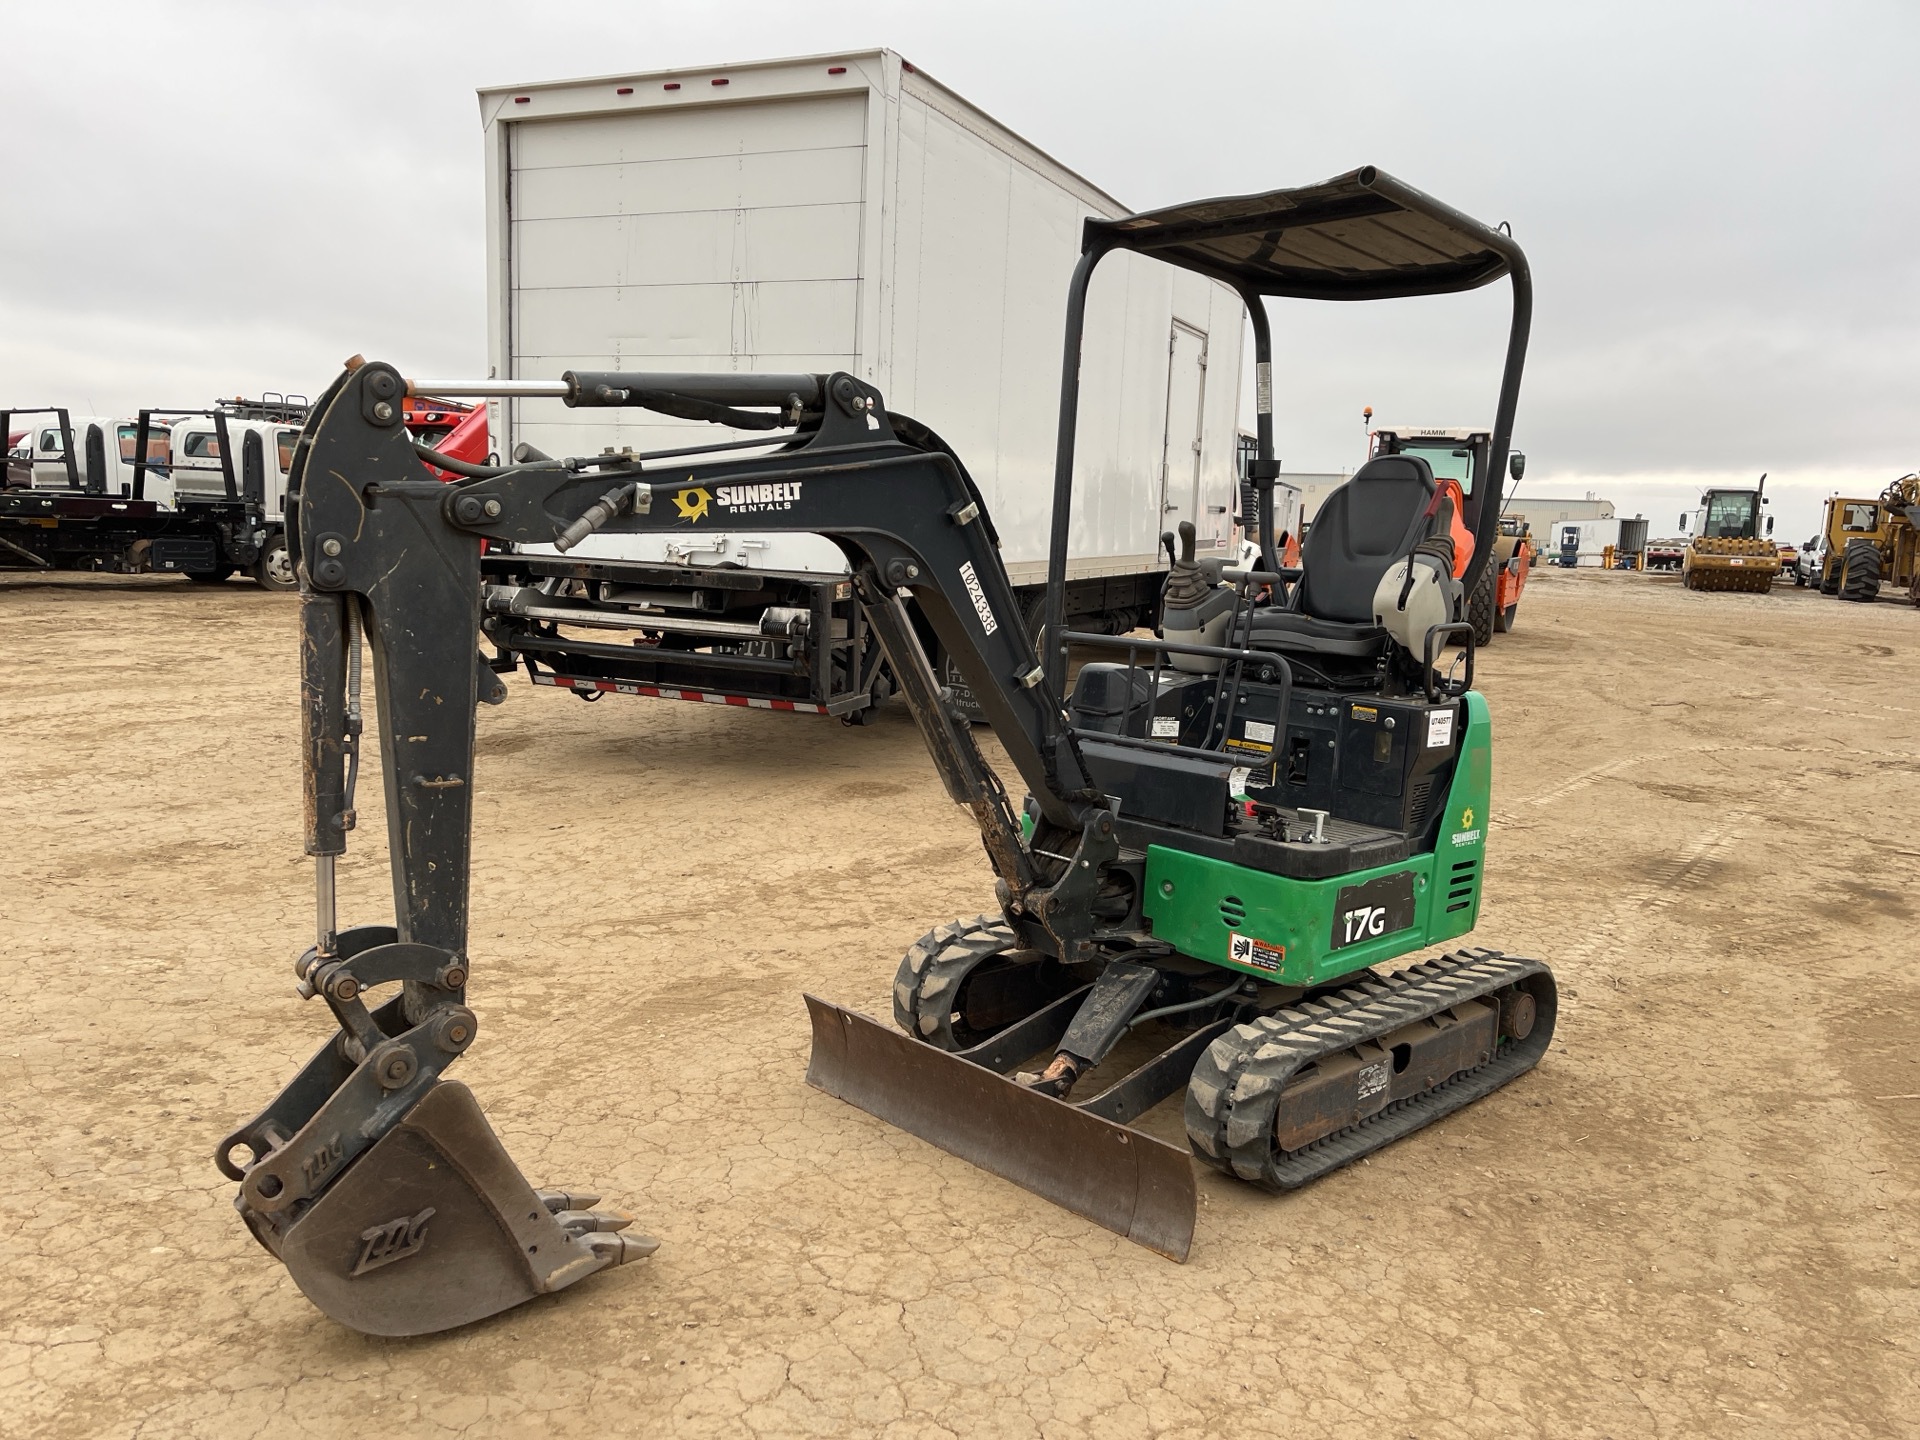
(1360, 236)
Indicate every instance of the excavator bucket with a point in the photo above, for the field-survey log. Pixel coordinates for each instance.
(1132, 1184)
(434, 1227)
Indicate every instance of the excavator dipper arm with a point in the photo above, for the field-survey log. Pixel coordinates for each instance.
(375, 1180)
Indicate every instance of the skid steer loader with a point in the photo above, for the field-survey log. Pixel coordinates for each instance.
(1223, 832)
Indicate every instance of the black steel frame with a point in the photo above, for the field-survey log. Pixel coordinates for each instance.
(1372, 192)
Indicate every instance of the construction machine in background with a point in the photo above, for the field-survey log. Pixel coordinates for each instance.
(1512, 564)
(1728, 546)
(1459, 458)
(1870, 543)
(1219, 841)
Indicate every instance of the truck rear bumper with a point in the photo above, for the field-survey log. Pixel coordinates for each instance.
(714, 636)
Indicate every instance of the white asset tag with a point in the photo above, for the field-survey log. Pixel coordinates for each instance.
(1439, 728)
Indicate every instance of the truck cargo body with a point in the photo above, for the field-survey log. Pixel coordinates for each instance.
(839, 212)
(1572, 543)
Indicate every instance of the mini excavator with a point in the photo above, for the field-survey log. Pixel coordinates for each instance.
(1225, 829)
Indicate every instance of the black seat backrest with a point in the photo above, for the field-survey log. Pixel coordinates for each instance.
(1363, 527)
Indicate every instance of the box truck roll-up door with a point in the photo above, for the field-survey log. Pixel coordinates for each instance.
(716, 237)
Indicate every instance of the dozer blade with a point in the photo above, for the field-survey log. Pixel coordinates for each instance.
(1131, 1183)
(434, 1226)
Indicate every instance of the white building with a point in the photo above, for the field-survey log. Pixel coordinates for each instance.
(1544, 512)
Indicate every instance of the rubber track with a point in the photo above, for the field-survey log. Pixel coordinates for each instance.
(930, 974)
(1234, 1094)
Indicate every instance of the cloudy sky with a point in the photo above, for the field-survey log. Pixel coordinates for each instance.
(1721, 201)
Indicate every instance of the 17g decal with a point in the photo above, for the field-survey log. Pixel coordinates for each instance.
(1369, 911)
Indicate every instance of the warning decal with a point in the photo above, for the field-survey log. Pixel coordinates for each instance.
(1255, 954)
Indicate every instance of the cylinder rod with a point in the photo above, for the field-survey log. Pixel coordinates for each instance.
(490, 389)
(326, 922)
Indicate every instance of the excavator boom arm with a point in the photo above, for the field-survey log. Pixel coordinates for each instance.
(369, 1157)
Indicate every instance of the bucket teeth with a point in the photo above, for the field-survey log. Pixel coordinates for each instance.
(590, 1222)
(619, 1249)
(558, 1200)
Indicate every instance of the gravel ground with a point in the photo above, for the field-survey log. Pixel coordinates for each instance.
(1696, 1218)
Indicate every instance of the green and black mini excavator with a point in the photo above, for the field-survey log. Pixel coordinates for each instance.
(1224, 829)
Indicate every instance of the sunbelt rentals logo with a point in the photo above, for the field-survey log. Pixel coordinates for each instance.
(697, 503)
(1466, 834)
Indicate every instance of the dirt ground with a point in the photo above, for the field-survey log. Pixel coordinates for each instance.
(1696, 1218)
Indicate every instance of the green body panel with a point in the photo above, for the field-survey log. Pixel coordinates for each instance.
(1192, 901)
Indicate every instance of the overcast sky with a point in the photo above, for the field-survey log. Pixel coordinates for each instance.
(1721, 202)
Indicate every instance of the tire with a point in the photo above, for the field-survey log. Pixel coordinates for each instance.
(216, 576)
(1860, 572)
(1829, 577)
(1480, 614)
(274, 570)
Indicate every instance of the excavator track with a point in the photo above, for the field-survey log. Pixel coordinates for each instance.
(933, 1000)
(1365, 1066)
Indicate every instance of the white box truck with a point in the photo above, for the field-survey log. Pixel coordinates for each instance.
(833, 213)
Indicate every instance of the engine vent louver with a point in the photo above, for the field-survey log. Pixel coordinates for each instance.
(1462, 881)
(1417, 810)
(1233, 912)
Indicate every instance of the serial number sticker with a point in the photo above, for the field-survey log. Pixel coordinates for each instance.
(988, 622)
(1439, 728)
(1366, 712)
(1166, 727)
(1255, 954)
(1373, 1079)
(1258, 730)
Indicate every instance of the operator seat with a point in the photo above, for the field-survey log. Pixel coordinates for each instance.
(1362, 528)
